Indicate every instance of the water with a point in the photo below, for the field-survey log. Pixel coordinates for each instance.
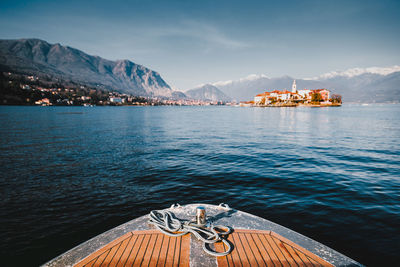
(70, 173)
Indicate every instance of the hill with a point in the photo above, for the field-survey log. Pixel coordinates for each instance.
(208, 92)
(39, 58)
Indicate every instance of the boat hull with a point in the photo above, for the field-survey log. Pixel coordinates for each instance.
(250, 232)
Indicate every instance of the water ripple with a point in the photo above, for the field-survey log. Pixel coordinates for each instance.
(69, 173)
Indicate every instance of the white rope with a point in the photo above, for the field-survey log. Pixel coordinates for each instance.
(166, 222)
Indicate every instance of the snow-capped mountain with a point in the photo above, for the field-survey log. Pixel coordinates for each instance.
(355, 85)
(358, 71)
(248, 78)
(37, 57)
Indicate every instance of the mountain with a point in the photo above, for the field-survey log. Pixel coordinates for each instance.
(358, 71)
(178, 95)
(355, 85)
(37, 57)
(208, 92)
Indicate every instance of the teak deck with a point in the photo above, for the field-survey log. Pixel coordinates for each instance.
(251, 248)
(142, 248)
(266, 248)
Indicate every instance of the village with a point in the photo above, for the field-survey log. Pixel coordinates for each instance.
(20, 89)
(304, 97)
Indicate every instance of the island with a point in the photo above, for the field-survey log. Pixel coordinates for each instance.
(294, 98)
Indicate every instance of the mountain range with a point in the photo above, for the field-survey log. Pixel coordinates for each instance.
(38, 57)
(355, 85)
(64, 63)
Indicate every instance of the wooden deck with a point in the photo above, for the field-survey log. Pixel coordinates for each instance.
(266, 248)
(251, 248)
(142, 248)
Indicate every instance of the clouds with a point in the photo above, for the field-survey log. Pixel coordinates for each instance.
(194, 33)
(250, 77)
(169, 38)
(203, 32)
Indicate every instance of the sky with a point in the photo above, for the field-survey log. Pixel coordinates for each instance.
(196, 42)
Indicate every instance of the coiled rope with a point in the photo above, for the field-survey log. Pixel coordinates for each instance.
(166, 222)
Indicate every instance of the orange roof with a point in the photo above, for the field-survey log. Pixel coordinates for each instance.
(319, 90)
(263, 94)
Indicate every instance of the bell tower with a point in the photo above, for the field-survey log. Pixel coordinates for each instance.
(294, 87)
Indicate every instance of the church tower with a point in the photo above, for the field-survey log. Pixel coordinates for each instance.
(294, 88)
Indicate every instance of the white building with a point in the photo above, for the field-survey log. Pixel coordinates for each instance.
(261, 98)
(294, 87)
(116, 100)
(284, 95)
(258, 99)
(304, 93)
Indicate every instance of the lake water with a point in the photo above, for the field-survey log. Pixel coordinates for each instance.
(70, 173)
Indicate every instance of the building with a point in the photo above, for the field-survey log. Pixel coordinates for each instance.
(305, 94)
(43, 102)
(275, 94)
(284, 95)
(295, 95)
(116, 100)
(258, 99)
(281, 95)
(294, 87)
(323, 92)
(261, 99)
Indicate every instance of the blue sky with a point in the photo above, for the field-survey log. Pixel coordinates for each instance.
(194, 42)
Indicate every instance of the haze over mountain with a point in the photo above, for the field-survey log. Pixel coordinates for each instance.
(208, 92)
(37, 57)
(355, 85)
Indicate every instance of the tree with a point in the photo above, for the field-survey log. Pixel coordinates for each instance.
(336, 98)
(316, 98)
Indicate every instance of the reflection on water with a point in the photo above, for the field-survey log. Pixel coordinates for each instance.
(69, 173)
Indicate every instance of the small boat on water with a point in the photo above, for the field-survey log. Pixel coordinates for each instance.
(201, 235)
